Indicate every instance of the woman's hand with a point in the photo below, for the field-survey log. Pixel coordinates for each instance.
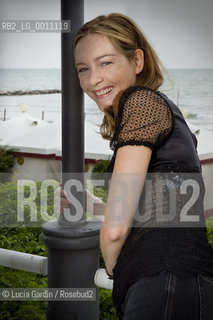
(93, 205)
(61, 200)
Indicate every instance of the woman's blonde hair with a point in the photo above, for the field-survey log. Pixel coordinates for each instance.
(126, 38)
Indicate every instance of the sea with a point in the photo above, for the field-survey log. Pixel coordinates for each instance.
(190, 89)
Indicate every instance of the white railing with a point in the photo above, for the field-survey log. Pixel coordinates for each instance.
(23, 261)
(38, 264)
(102, 280)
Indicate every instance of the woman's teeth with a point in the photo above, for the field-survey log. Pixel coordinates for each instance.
(99, 93)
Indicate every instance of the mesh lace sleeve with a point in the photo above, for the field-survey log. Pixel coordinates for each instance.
(144, 118)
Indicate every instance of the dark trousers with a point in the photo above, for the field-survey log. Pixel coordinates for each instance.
(169, 297)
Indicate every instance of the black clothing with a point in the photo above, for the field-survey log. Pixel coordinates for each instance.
(149, 118)
(168, 296)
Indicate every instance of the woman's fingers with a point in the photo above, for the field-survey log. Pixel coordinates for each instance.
(60, 192)
(61, 201)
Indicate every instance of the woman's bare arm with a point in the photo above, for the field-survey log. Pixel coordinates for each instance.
(129, 173)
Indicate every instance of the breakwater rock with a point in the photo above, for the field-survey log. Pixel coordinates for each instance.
(28, 92)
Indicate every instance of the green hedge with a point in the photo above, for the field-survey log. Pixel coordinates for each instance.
(24, 240)
(7, 159)
(209, 225)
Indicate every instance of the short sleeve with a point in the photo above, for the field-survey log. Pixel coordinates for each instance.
(144, 118)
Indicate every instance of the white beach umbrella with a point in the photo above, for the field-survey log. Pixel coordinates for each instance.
(18, 126)
(46, 139)
(40, 139)
(204, 140)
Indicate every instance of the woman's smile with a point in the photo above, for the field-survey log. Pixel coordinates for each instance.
(103, 92)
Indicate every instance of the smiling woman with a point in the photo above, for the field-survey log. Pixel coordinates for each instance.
(103, 71)
(158, 261)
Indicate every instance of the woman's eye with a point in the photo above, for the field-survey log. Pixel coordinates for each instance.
(106, 63)
(82, 70)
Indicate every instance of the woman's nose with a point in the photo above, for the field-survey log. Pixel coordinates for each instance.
(95, 77)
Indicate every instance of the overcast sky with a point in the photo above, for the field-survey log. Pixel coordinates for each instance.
(179, 30)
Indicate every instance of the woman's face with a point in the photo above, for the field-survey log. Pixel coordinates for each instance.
(103, 71)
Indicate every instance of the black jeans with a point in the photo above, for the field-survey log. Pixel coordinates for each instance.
(167, 296)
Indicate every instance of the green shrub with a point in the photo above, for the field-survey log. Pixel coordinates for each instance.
(209, 225)
(7, 159)
(24, 240)
(99, 173)
(10, 201)
(100, 166)
(106, 309)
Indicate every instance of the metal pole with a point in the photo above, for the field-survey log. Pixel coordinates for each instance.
(5, 112)
(72, 104)
(73, 247)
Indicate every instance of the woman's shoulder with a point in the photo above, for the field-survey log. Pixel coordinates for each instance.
(139, 99)
(131, 91)
(137, 88)
(143, 116)
(140, 94)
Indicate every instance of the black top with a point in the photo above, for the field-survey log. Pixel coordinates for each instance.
(179, 244)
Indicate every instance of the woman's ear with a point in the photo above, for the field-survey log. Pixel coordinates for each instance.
(139, 60)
